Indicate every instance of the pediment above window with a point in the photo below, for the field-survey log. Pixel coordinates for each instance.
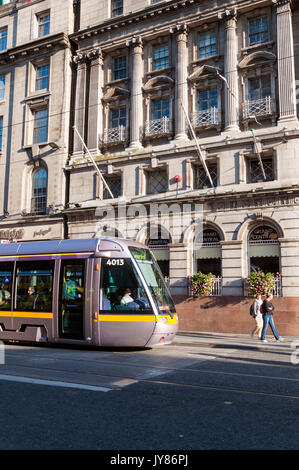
(114, 93)
(155, 83)
(203, 72)
(257, 59)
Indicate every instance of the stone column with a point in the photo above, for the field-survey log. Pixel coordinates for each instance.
(178, 269)
(80, 61)
(95, 109)
(232, 255)
(136, 115)
(285, 61)
(181, 85)
(231, 71)
(289, 261)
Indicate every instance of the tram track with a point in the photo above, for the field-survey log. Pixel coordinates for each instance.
(149, 377)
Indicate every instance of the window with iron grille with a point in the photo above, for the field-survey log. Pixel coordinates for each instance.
(160, 109)
(258, 30)
(42, 77)
(255, 172)
(118, 117)
(2, 87)
(120, 67)
(207, 99)
(207, 44)
(3, 39)
(259, 88)
(161, 57)
(201, 179)
(40, 129)
(39, 191)
(157, 181)
(117, 8)
(114, 184)
(43, 25)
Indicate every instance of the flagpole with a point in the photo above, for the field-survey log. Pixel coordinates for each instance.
(94, 163)
(197, 146)
(256, 150)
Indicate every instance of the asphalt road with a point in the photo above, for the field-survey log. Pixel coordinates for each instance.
(203, 392)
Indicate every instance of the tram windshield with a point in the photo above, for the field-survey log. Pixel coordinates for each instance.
(154, 279)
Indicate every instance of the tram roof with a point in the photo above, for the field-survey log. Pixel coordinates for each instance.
(60, 246)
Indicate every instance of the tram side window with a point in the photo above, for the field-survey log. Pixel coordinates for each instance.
(73, 283)
(120, 288)
(6, 273)
(34, 282)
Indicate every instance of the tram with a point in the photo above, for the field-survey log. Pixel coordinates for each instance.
(104, 292)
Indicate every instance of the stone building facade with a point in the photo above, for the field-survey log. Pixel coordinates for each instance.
(35, 77)
(143, 69)
(130, 76)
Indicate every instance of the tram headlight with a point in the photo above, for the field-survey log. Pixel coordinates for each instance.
(163, 319)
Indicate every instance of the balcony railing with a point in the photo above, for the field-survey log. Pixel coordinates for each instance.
(216, 289)
(158, 127)
(261, 108)
(206, 118)
(115, 135)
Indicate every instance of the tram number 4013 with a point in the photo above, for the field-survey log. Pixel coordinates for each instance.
(115, 262)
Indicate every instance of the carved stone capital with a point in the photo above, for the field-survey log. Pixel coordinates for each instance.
(181, 31)
(95, 54)
(80, 58)
(135, 42)
(283, 5)
(230, 18)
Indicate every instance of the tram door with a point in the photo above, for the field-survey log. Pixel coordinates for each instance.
(71, 299)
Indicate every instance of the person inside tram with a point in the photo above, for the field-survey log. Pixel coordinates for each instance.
(126, 299)
(4, 295)
(32, 299)
(72, 289)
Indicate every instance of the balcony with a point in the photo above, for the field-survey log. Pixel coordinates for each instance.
(264, 107)
(115, 136)
(158, 127)
(206, 118)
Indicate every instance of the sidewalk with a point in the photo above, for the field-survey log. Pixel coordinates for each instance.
(196, 338)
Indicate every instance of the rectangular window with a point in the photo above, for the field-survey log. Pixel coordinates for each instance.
(258, 31)
(114, 184)
(201, 179)
(255, 173)
(34, 282)
(42, 77)
(207, 46)
(2, 87)
(6, 273)
(160, 109)
(118, 117)
(40, 130)
(161, 57)
(117, 8)
(43, 25)
(157, 182)
(207, 99)
(3, 39)
(259, 88)
(120, 68)
(1, 131)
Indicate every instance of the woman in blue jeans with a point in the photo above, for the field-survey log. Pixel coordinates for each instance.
(268, 309)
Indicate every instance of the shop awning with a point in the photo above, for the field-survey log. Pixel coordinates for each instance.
(263, 250)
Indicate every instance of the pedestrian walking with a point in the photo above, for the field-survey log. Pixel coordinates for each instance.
(267, 309)
(257, 315)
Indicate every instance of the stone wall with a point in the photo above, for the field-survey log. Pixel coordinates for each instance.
(231, 315)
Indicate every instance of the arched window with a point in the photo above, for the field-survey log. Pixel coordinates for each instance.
(39, 191)
(263, 249)
(158, 242)
(207, 253)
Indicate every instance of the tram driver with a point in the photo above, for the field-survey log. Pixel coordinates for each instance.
(126, 299)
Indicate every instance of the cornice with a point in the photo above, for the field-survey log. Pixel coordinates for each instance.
(36, 46)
